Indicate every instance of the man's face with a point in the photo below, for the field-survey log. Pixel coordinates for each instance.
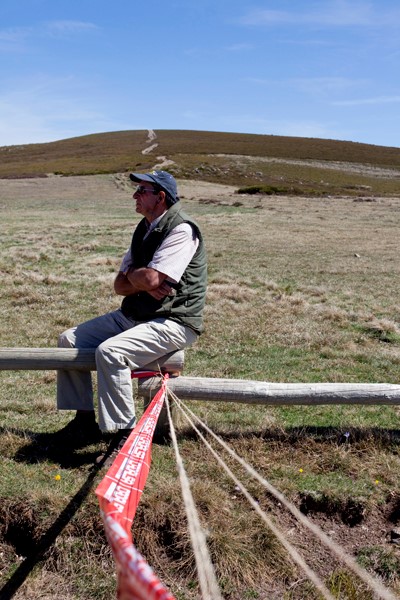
(146, 200)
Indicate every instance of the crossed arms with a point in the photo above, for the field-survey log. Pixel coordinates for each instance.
(173, 256)
(144, 279)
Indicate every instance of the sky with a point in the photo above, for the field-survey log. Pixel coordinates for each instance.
(320, 69)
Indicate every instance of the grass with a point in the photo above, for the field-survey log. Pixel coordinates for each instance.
(300, 289)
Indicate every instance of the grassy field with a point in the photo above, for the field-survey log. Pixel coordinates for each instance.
(302, 288)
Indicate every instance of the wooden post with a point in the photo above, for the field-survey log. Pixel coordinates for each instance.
(212, 389)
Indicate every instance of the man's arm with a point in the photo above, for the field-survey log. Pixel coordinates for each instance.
(144, 279)
(168, 263)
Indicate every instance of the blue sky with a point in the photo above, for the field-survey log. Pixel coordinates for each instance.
(327, 69)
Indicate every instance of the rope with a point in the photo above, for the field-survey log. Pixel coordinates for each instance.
(207, 578)
(371, 581)
(297, 558)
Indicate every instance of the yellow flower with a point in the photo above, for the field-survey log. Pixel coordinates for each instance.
(376, 481)
(300, 470)
(57, 477)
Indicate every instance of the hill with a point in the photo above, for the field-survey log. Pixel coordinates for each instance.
(300, 165)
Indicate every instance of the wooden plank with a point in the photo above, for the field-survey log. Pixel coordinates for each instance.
(281, 394)
(14, 359)
(211, 389)
(79, 359)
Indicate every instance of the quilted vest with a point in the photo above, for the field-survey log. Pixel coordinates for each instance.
(187, 304)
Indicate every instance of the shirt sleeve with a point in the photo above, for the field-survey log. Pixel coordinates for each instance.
(126, 261)
(175, 252)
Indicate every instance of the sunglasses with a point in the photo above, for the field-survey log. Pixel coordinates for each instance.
(141, 189)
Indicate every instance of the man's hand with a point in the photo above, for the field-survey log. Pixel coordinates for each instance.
(162, 291)
(143, 279)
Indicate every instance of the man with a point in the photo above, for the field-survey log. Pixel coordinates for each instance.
(163, 281)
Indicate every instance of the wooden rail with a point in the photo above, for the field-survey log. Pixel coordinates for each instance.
(76, 359)
(210, 389)
(281, 394)
(205, 388)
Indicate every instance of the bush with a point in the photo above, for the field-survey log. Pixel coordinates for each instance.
(268, 190)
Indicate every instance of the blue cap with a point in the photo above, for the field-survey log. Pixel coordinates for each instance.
(161, 178)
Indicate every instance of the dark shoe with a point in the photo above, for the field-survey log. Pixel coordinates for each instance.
(117, 441)
(82, 430)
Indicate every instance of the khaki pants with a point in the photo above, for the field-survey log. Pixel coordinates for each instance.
(121, 345)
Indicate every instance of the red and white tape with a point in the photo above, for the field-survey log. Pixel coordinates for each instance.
(119, 493)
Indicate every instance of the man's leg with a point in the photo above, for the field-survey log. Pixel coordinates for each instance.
(74, 388)
(131, 350)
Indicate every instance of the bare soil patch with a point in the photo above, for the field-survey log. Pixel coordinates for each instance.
(346, 167)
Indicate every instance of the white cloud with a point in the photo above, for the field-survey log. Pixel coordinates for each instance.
(15, 34)
(69, 27)
(267, 17)
(366, 101)
(17, 39)
(296, 128)
(245, 123)
(239, 47)
(13, 39)
(334, 13)
(312, 85)
(67, 113)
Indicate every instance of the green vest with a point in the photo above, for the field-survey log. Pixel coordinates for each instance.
(187, 305)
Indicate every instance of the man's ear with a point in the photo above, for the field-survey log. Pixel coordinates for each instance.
(161, 196)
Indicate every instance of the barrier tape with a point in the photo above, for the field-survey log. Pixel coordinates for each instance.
(119, 493)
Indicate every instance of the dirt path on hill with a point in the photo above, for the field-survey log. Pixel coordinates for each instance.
(347, 167)
(163, 160)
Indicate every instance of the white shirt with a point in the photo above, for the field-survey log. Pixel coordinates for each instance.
(173, 254)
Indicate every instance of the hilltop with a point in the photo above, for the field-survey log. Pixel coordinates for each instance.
(291, 164)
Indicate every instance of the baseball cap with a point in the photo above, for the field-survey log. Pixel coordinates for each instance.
(161, 178)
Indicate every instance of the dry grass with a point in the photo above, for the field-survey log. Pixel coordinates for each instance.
(300, 289)
(310, 166)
